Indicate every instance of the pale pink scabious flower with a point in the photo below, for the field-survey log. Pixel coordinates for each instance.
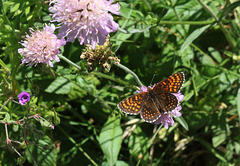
(166, 118)
(41, 46)
(88, 20)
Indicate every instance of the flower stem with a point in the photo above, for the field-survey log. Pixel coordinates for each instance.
(94, 73)
(69, 61)
(130, 72)
(188, 22)
(10, 98)
(6, 130)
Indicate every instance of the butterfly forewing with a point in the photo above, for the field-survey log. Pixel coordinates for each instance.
(132, 104)
(171, 84)
(149, 111)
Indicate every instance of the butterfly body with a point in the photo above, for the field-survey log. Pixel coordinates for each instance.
(155, 101)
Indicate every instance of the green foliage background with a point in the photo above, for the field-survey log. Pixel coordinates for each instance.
(160, 37)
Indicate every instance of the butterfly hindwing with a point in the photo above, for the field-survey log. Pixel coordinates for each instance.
(167, 102)
(149, 111)
(132, 104)
(171, 84)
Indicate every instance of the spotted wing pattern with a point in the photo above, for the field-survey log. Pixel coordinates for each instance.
(149, 111)
(132, 104)
(154, 102)
(167, 102)
(171, 84)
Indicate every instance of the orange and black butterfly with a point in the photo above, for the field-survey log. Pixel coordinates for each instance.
(156, 100)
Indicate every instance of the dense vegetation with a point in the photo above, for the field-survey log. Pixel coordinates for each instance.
(79, 99)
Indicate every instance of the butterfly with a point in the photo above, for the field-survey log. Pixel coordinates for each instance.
(156, 100)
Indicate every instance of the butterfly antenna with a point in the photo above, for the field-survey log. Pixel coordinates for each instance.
(153, 78)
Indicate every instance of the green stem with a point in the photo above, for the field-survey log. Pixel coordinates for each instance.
(130, 72)
(168, 22)
(110, 78)
(188, 22)
(94, 73)
(133, 31)
(69, 61)
(225, 32)
(117, 64)
(209, 10)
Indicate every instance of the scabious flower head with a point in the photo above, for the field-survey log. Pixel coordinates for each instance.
(88, 20)
(166, 118)
(23, 97)
(41, 46)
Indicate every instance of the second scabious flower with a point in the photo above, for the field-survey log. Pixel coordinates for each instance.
(41, 46)
(88, 20)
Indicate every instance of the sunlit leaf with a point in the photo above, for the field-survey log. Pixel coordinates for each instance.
(110, 139)
(195, 34)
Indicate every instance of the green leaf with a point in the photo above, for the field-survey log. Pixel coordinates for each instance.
(182, 122)
(43, 152)
(119, 163)
(193, 36)
(15, 7)
(7, 117)
(229, 9)
(215, 54)
(139, 144)
(21, 160)
(212, 150)
(186, 10)
(110, 139)
(219, 138)
(61, 85)
(237, 147)
(4, 65)
(238, 103)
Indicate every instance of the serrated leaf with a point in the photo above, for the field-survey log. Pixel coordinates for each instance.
(193, 36)
(110, 139)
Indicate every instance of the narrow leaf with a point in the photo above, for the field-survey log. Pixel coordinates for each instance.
(182, 122)
(193, 36)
